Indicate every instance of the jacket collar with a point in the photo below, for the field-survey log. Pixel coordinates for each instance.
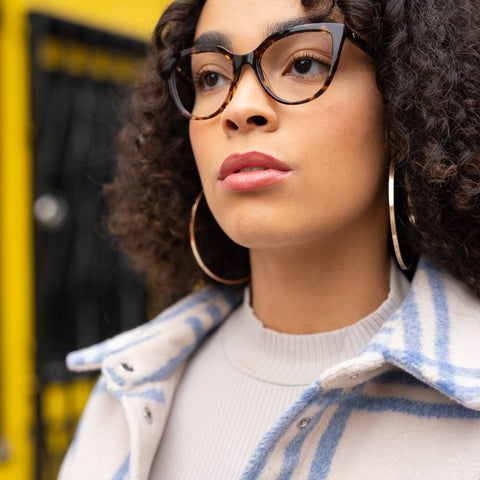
(187, 322)
(433, 336)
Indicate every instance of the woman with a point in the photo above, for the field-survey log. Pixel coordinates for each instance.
(334, 365)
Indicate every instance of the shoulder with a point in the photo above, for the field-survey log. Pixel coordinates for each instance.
(140, 369)
(201, 311)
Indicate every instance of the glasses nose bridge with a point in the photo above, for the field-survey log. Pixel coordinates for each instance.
(239, 61)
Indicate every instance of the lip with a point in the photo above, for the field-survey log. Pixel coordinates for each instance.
(232, 178)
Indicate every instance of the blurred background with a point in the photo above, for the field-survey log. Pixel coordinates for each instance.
(64, 65)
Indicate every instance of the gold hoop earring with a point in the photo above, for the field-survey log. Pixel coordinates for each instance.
(393, 223)
(196, 254)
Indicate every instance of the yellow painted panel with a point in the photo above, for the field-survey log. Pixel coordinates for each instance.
(16, 315)
(135, 18)
(75, 59)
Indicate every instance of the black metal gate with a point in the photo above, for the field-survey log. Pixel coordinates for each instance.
(84, 290)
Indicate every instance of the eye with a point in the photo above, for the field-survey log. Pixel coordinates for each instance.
(307, 65)
(208, 80)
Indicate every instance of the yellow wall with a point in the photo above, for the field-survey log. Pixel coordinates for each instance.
(130, 17)
(135, 18)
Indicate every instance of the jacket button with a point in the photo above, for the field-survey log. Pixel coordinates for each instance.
(303, 422)
(147, 414)
(125, 367)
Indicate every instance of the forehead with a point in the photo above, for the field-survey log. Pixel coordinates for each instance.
(245, 23)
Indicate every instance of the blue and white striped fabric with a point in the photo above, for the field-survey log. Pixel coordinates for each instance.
(407, 407)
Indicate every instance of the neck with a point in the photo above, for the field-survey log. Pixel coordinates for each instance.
(314, 289)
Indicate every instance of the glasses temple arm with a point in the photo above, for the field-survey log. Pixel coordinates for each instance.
(358, 41)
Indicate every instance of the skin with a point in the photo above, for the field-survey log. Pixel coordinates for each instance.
(317, 239)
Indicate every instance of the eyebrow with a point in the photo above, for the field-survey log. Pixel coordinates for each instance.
(213, 38)
(222, 40)
(295, 22)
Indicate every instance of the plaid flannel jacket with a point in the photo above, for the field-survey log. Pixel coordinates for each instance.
(407, 407)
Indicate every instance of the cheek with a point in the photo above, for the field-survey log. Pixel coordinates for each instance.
(351, 131)
(349, 150)
(354, 117)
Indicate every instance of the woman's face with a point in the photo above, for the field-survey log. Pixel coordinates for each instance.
(330, 182)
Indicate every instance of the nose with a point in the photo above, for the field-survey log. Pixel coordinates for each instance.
(250, 107)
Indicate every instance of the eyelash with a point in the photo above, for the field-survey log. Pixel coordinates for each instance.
(309, 56)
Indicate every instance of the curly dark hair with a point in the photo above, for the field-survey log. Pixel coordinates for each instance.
(427, 59)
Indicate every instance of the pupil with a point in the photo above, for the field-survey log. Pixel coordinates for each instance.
(210, 79)
(303, 66)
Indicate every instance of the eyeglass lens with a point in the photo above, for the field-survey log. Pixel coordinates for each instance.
(294, 68)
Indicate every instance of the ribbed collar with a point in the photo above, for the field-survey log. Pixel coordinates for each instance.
(286, 359)
(433, 335)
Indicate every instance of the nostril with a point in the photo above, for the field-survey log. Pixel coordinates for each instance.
(258, 120)
(232, 125)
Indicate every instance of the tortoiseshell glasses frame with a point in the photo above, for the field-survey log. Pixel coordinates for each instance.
(338, 32)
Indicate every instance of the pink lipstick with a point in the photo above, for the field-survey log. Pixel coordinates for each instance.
(251, 171)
